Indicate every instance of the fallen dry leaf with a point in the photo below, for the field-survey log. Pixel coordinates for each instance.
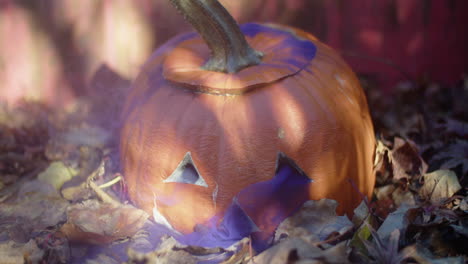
(54, 245)
(242, 252)
(101, 223)
(314, 222)
(169, 247)
(382, 163)
(78, 188)
(439, 185)
(163, 254)
(401, 196)
(387, 250)
(361, 213)
(36, 207)
(431, 227)
(394, 221)
(76, 191)
(295, 250)
(462, 204)
(75, 154)
(11, 252)
(424, 256)
(57, 174)
(406, 161)
(232, 254)
(384, 192)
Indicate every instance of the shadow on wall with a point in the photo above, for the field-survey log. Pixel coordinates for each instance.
(50, 48)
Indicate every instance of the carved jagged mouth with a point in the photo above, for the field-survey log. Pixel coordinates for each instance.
(257, 210)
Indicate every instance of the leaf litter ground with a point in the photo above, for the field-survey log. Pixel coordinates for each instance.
(62, 197)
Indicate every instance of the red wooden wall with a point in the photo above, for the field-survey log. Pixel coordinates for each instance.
(422, 38)
(391, 40)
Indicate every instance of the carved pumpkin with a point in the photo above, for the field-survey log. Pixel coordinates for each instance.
(262, 126)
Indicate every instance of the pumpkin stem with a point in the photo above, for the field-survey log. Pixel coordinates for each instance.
(230, 52)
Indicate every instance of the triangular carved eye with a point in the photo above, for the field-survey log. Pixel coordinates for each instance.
(283, 160)
(187, 172)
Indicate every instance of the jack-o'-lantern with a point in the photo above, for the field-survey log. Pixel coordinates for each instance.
(259, 119)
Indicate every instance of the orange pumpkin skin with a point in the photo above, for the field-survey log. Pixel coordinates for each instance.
(235, 124)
